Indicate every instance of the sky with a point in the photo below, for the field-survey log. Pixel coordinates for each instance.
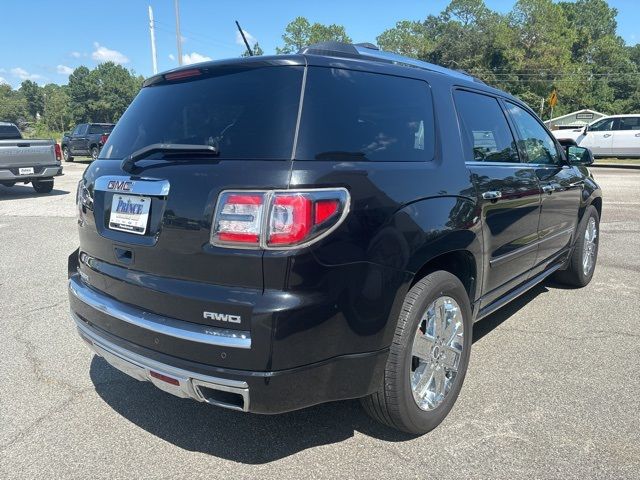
(51, 38)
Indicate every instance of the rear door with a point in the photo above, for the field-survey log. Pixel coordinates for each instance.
(599, 137)
(561, 185)
(626, 136)
(508, 192)
(77, 138)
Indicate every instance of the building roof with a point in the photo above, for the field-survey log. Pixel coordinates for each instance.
(584, 110)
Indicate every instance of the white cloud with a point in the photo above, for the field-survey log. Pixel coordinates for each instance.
(75, 54)
(250, 38)
(104, 54)
(2, 80)
(22, 74)
(194, 57)
(64, 70)
(172, 57)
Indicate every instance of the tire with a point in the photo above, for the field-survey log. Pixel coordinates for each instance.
(394, 403)
(42, 186)
(66, 154)
(95, 151)
(579, 272)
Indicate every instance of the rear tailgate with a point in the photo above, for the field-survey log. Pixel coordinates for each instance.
(26, 153)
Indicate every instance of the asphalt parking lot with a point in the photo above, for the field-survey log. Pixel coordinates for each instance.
(552, 392)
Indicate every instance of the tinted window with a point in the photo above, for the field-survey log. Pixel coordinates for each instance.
(485, 132)
(78, 129)
(537, 143)
(350, 115)
(602, 125)
(93, 129)
(9, 132)
(247, 113)
(628, 123)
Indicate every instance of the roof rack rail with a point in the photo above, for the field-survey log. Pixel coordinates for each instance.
(370, 51)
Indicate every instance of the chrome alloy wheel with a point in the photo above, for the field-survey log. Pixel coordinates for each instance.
(436, 352)
(589, 249)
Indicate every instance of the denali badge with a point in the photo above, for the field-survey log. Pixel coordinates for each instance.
(222, 317)
(123, 185)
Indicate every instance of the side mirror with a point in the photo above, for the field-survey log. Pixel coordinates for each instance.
(579, 155)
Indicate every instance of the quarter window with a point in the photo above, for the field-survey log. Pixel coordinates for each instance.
(358, 116)
(485, 132)
(537, 143)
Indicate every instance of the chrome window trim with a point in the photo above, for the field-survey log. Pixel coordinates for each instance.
(192, 332)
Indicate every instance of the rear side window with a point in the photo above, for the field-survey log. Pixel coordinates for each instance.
(538, 144)
(349, 115)
(245, 112)
(602, 125)
(93, 129)
(9, 132)
(486, 135)
(628, 123)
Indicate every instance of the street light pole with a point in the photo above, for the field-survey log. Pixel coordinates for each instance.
(178, 36)
(154, 56)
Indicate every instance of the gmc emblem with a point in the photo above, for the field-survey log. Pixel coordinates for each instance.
(123, 185)
(222, 317)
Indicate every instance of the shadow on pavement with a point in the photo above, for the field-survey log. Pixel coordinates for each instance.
(26, 191)
(240, 437)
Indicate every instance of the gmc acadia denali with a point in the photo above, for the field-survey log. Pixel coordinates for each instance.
(269, 233)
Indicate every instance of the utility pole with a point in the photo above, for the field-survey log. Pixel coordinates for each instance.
(154, 56)
(178, 36)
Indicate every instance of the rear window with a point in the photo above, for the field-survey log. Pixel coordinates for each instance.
(9, 132)
(101, 129)
(246, 113)
(350, 115)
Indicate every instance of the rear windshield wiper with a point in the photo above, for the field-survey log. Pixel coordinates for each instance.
(168, 148)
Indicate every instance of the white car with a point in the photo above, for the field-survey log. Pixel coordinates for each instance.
(612, 136)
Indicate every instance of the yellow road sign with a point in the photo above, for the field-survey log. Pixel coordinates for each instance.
(553, 99)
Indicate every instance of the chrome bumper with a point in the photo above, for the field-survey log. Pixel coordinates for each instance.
(178, 382)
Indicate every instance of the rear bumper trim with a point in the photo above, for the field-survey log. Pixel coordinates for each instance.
(171, 327)
(47, 172)
(185, 384)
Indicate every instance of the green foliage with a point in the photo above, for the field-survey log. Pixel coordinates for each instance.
(537, 47)
(300, 33)
(13, 106)
(256, 49)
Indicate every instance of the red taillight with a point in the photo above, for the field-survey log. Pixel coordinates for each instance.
(192, 72)
(103, 138)
(293, 218)
(58, 152)
(239, 218)
(290, 219)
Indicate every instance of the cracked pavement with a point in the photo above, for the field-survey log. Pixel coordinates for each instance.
(552, 390)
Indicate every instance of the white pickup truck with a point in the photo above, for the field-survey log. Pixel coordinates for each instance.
(27, 161)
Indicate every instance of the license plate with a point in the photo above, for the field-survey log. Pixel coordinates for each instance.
(25, 171)
(129, 213)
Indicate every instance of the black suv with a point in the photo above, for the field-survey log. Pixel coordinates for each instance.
(87, 139)
(270, 233)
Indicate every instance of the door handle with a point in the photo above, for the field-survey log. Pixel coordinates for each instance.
(548, 189)
(492, 195)
(606, 135)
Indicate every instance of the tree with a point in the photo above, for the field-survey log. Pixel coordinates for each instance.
(300, 33)
(13, 107)
(32, 94)
(101, 94)
(408, 38)
(256, 49)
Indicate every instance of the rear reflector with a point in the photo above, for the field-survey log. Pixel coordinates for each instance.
(192, 72)
(324, 209)
(164, 378)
